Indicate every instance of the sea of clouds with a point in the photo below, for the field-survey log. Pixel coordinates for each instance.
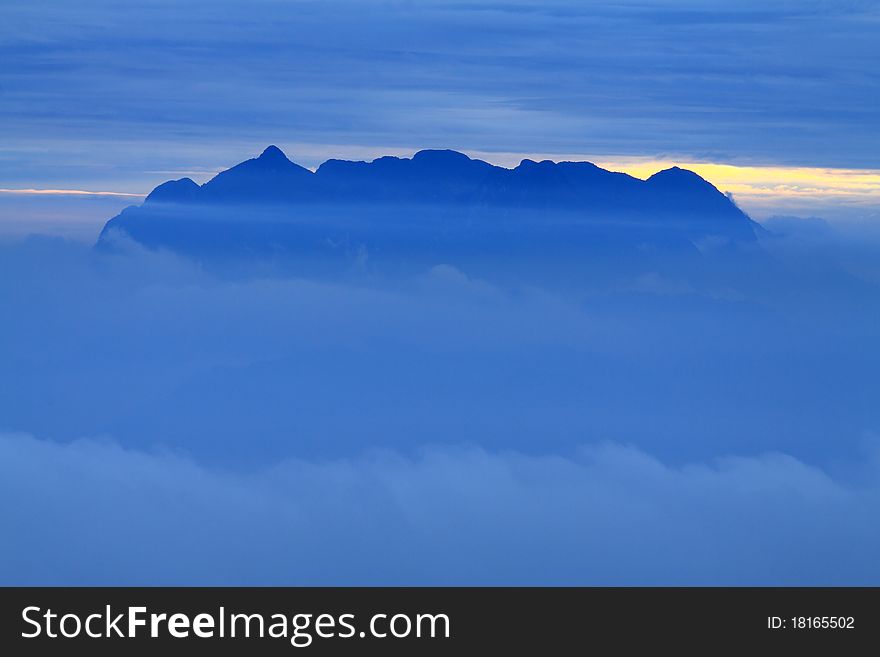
(163, 424)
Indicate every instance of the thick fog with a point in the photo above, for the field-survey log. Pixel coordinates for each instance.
(165, 422)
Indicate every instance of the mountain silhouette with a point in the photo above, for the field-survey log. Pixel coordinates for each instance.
(439, 205)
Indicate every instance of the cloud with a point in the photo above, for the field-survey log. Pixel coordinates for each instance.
(162, 422)
(161, 353)
(92, 97)
(94, 513)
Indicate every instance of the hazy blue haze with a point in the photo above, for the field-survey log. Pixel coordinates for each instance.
(166, 424)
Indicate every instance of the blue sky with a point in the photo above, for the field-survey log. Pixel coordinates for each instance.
(97, 98)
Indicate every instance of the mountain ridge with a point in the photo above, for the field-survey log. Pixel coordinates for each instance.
(427, 161)
(436, 197)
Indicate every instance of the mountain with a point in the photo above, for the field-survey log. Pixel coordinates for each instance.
(438, 206)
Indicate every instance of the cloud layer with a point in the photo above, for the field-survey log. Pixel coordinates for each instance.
(161, 422)
(95, 96)
(609, 514)
(178, 356)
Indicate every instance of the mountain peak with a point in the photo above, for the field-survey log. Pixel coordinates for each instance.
(677, 174)
(440, 155)
(174, 191)
(273, 153)
(528, 163)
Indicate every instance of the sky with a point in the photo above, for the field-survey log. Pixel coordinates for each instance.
(772, 101)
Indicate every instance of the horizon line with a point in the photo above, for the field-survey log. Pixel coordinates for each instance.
(66, 192)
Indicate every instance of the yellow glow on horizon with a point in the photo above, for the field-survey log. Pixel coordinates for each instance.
(763, 189)
(769, 182)
(758, 187)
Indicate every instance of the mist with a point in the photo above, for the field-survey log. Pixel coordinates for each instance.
(166, 421)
